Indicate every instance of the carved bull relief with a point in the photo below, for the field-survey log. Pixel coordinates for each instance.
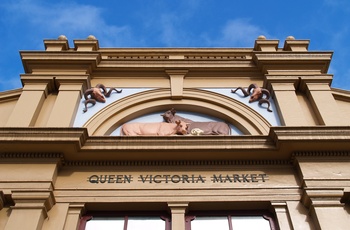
(94, 94)
(198, 128)
(154, 129)
(256, 95)
(209, 128)
(170, 117)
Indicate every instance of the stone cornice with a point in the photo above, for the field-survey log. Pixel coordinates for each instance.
(293, 61)
(327, 154)
(89, 57)
(340, 94)
(10, 95)
(56, 158)
(302, 133)
(31, 134)
(58, 60)
(75, 145)
(180, 163)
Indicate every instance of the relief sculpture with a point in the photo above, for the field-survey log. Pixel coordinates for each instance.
(257, 94)
(95, 94)
(197, 127)
(154, 129)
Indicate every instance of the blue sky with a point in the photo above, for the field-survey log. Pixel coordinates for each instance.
(25, 24)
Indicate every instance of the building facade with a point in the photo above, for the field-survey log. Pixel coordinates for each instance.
(67, 161)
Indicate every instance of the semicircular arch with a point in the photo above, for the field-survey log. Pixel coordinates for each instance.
(247, 120)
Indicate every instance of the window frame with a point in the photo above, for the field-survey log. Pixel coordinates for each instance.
(270, 217)
(126, 215)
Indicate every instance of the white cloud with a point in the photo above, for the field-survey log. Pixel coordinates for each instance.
(235, 33)
(239, 32)
(77, 21)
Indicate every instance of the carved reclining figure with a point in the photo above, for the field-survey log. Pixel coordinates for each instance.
(209, 128)
(154, 129)
(206, 127)
(170, 117)
(96, 95)
(257, 94)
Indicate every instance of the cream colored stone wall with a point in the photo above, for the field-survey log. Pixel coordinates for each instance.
(6, 110)
(344, 109)
(298, 170)
(4, 216)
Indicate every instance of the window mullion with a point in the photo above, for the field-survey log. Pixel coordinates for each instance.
(126, 222)
(229, 222)
(188, 220)
(167, 222)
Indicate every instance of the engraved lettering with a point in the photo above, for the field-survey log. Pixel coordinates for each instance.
(93, 179)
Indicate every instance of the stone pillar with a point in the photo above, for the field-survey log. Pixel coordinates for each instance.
(282, 214)
(74, 215)
(28, 105)
(323, 102)
(286, 100)
(66, 105)
(30, 209)
(178, 211)
(326, 209)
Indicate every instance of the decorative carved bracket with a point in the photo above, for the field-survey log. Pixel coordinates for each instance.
(176, 83)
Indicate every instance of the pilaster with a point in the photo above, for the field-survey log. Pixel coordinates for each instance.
(325, 106)
(325, 208)
(30, 208)
(283, 90)
(282, 214)
(66, 105)
(178, 211)
(74, 215)
(28, 105)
